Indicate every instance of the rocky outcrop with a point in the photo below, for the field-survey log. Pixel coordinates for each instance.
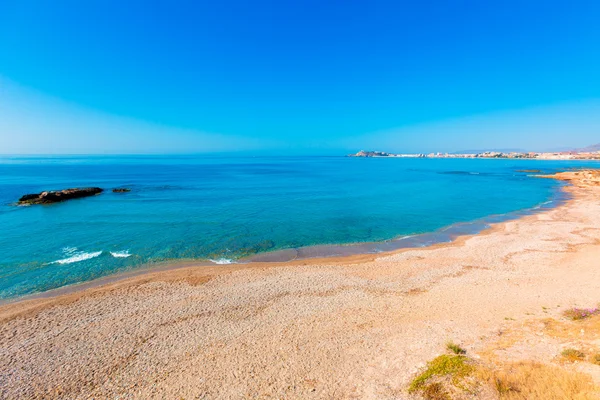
(364, 153)
(121, 190)
(57, 196)
(581, 178)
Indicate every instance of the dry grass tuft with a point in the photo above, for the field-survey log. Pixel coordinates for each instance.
(456, 349)
(587, 329)
(529, 380)
(416, 291)
(595, 359)
(435, 391)
(572, 355)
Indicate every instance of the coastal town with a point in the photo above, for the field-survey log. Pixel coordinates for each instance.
(588, 153)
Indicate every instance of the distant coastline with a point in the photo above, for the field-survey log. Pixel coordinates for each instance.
(592, 153)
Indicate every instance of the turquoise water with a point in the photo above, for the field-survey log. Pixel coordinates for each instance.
(225, 208)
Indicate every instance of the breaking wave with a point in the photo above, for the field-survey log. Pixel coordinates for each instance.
(120, 254)
(222, 261)
(73, 256)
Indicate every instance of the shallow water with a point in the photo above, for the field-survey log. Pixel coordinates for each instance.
(227, 208)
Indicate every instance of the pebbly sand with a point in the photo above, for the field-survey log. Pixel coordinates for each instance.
(355, 327)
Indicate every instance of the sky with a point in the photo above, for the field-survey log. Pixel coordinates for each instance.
(297, 77)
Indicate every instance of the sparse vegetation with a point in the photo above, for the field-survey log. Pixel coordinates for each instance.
(457, 376)
(529, 380)
(435, 391)
(572, 355)
(447, 367)
(502, 386)
(576, 314)
(456, 349)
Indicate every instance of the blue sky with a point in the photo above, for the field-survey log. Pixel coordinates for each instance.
(297, 77)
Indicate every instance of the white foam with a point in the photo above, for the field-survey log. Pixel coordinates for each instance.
(69, 250)
(404, 237)
(120, 254)
(541, 204)
(80, 256)
(222, 261)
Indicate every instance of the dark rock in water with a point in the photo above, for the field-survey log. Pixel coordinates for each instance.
(29, 197)
(533, 171)
(121, 190)
(59, 195)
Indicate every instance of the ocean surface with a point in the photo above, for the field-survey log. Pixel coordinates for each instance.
(227, 209)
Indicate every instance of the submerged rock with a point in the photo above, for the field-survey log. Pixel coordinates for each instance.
(59, 195)
(121, 190)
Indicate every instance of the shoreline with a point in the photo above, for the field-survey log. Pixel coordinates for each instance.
(349, 327)
(334, 253)
(444, 235)
(500, 155)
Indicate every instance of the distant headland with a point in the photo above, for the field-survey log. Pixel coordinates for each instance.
(588, 153)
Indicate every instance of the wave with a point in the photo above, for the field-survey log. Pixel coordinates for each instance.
(69, 250)
(542, 204)
(73, 255)
(120, 254)
(76, 257)
(223, 261)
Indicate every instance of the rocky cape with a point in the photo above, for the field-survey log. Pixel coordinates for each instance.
(58, 196)
(364, 153)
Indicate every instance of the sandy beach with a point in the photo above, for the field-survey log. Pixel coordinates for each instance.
(359, 327)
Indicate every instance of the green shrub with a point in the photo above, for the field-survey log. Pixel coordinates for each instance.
(456, 367)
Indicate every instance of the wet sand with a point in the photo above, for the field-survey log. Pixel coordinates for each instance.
(348, 327)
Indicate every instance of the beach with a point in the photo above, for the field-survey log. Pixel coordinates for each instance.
(356, 327)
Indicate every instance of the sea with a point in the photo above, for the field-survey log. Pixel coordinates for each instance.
(224, 209)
